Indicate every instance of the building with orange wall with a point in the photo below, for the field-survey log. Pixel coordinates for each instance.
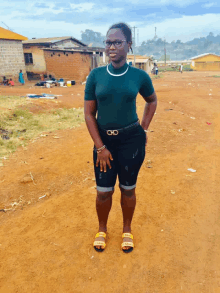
(206, 62)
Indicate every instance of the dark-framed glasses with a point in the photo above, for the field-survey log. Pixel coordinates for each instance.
(117, 43)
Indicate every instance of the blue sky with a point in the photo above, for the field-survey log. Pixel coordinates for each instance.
(174, 19)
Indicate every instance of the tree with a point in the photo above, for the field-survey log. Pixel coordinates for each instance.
(89, 36)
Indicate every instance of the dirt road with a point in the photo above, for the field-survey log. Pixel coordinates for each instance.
(46, 243)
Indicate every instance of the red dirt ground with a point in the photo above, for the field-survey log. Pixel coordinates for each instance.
(46, 244)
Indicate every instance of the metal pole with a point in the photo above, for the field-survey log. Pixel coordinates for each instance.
(134, 45)
(165, 51)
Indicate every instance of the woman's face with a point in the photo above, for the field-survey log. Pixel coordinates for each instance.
(117, 52)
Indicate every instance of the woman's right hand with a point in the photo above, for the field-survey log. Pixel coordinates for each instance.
(103, 159)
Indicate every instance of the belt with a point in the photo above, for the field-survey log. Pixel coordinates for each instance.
(120, 130)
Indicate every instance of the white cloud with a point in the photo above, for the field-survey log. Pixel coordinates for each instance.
(184, 28)
(209, 5)
(86, 6)
(153, 3)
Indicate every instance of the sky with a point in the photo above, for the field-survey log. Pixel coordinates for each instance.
(174, 19)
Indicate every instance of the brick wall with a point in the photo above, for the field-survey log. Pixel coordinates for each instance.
(11, 58)
(70, 66)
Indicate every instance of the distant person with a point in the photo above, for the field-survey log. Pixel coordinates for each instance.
(21, 78)
(11, 82)
(5, 80)
(156, 70)
(181, 68)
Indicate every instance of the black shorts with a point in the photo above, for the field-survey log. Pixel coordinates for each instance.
(128, 152)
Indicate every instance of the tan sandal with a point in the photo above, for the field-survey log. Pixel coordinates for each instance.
(130, 244)
(100, 243)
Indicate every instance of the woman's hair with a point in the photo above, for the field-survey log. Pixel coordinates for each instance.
(125, 30)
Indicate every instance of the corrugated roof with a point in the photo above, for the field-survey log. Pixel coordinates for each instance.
(136, 57)
(137, 60)
(202, 55)
(9, 35)
(51, 40)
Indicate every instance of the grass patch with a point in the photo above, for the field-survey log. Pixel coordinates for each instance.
(11, 102)
(157, 76)
(18, 126)
(185, 68)
(167, 69)
(215, 75)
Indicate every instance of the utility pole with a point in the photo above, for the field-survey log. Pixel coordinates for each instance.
(155, 37)
(165, 51)
(134, 44)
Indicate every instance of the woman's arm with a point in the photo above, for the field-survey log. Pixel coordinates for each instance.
(90, 109)
(149, 110)
(104, 157)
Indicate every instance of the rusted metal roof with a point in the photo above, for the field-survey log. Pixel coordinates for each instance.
(76, 49)
(50, 41)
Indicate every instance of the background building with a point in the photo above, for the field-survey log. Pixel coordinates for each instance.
(68, 64)
(206, 62)
(34, 53)
(141, 62)
(62, 57)
(11, 54)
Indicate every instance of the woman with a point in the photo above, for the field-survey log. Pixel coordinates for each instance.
(119, 139)
(21, 78)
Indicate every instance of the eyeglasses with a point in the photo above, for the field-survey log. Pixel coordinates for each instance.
(116, 44)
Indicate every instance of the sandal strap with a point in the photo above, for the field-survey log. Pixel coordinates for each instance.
(128, 235)
(130, 244)
(100, 234)
(99, 243)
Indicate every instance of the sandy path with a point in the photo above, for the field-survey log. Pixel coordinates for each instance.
(46, 244)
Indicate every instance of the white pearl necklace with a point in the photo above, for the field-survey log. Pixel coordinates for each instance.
(117, 74)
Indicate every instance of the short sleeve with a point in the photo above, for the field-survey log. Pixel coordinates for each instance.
(90, 87)
(146, 88)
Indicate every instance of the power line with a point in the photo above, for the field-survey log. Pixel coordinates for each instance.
(7, 26)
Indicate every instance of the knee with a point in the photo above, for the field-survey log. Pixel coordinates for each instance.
(126, 192)
(103, 196)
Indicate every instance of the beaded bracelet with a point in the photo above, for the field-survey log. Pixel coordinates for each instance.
(101, 149)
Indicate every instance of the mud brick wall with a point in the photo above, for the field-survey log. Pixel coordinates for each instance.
(11, 59)
(68, 65)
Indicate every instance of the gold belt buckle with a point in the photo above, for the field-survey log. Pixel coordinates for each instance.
(112, 132)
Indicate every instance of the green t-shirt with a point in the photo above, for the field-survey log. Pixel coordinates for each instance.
(116, 95)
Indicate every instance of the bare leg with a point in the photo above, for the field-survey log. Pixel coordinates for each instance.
(103, 207)
(128, 203)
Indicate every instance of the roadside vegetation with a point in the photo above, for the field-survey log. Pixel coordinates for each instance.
(175, 68)
(19, 126)
(160, 75)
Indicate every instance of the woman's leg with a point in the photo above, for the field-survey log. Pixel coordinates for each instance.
(128, 203)
(103, 207)
(130, 158)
